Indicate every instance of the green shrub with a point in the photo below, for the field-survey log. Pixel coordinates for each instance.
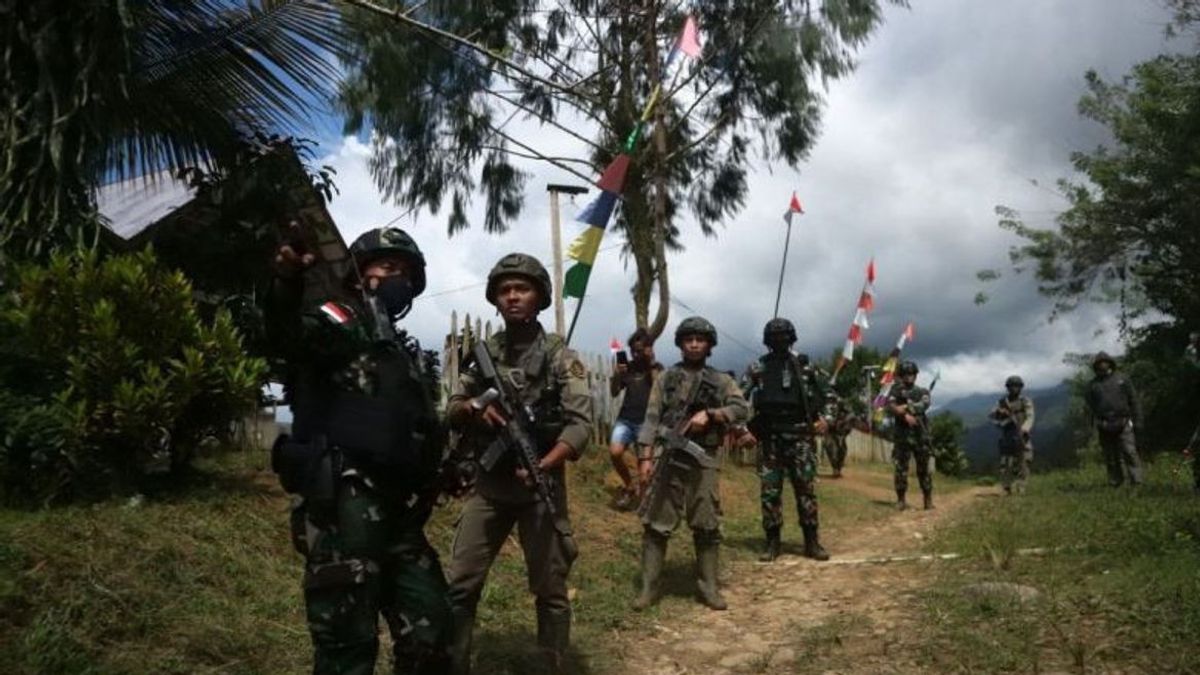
(107, 370)
(946, 432)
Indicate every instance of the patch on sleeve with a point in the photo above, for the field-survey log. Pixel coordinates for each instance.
(336, 313)
(576, 368)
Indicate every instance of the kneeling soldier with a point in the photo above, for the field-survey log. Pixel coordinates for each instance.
(691, 406)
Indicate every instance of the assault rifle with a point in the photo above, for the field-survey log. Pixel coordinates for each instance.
(514, 436)
(674, 440)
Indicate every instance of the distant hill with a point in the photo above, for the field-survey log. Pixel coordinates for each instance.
(1050, 408)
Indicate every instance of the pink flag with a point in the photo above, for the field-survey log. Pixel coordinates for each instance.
(614, 345)
(689, 39)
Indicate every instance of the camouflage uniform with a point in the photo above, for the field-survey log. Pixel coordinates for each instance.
(910, 442)
(683, 488)
(790, 398)
(1014, 415)
(1116, 413)
(552, 382)
(835, 440)
(363, 456)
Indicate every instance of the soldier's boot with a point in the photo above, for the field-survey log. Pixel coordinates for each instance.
(706, 575)
(654, 552)
(812, 544)
(928, 500)
(460, 642)
(554, 637)
(771, 551)
(901, 504)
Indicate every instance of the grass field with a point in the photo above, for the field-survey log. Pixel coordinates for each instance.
(204, 580)
(1119, 579)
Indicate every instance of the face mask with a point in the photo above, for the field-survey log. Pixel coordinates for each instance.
(396, 294)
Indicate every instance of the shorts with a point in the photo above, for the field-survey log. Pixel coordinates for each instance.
(625, 432)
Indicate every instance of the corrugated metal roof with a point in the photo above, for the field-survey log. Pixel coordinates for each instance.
(133, 205)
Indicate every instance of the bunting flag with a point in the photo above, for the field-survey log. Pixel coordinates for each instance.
(859, 324)
(596, 216)
(597, 213)
(889, 366)
(614, 345)
(793, 208)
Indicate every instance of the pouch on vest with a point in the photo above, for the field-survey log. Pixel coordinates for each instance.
(374, 430)
(295, 462)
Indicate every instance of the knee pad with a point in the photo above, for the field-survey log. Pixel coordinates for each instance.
(705, 537)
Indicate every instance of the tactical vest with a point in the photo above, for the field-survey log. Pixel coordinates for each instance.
(677, 396)
(782, 391)
(1018, 410)
(393, 429)
(532, 377)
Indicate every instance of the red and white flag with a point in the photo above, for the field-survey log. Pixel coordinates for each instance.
(794, 207)
(859, 324)
(614, 345)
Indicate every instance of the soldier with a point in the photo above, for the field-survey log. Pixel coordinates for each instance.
(1192, 355)
(839, 429)
(364, 450)
(635, 378)
(790, 411)
(1117, 416)
(551, 383)
(691, 406)
(907, 404)
(1014, 415)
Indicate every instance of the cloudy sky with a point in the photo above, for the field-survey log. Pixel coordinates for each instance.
(956, 107)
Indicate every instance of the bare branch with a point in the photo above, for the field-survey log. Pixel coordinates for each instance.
(545, 120)
(543, 158)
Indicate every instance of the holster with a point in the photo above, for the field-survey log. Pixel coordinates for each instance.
(309, 469)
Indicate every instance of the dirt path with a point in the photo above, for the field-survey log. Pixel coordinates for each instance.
(795, 606)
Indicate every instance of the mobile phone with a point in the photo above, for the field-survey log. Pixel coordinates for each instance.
(622, 357)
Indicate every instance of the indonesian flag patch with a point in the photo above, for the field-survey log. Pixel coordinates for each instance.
(336, 313)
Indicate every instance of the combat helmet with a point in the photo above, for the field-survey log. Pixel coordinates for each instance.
(696, 325)
(520, 264)
(778, 326)
(383, 241)
(1101, 357)
(1014, 381)
(908, 368)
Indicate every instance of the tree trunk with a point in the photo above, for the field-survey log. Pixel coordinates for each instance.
(658, 169)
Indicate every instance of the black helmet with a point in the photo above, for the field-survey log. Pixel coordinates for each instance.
(695, 325)
(908, 368)
(1101, 357)
(779, 327)
(520, 264)
(381, 241)
(1014, 381)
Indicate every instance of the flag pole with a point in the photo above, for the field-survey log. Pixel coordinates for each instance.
(779, 291)
(574, 318)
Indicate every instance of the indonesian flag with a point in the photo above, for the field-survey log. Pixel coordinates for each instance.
(793, 208)
(614, 345)
(866, 302)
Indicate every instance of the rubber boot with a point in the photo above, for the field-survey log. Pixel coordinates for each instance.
(460, 642)
(706, 575)
(928, 500)
(771, 551)
(812, 545)
(554, 637)
(901, 504)
(654, 551)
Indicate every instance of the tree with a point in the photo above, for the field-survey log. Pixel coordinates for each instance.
(1132, 227)
(435, 100)
(115, 88)
(946, 433)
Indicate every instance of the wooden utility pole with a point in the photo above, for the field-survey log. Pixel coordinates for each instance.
(556, 250)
